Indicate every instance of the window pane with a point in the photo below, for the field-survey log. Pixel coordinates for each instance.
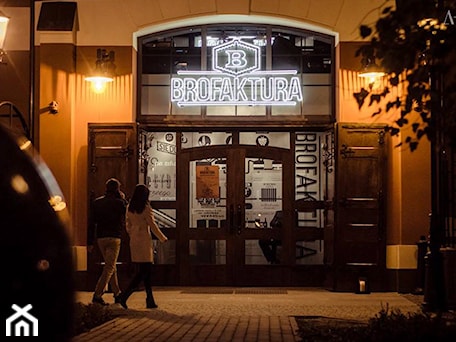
(164, 253)
(155, 100)
(203, 139)
(316, 100)
(275, 139)
(263, 195)
(158, 162)
(263, 252)
(312, 219)
(165, 218)
(207, 252)
(309, 252)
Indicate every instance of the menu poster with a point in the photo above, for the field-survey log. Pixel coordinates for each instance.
(207, 181)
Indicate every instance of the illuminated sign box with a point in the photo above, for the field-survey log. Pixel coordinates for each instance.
(236, 79)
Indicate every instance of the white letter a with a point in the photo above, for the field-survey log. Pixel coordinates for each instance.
(450, 17)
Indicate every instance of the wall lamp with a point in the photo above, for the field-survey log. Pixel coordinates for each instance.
(104, 70)
(3, 27)
(371, 71)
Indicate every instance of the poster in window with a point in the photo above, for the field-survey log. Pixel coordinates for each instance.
(207, 181)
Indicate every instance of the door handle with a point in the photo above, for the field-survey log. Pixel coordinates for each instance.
(239, 221)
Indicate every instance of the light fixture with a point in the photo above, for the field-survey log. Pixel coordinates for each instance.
(104, 70)
(371, 71)
(3, 27)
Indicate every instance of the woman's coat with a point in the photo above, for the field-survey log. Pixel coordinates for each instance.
(139, 227)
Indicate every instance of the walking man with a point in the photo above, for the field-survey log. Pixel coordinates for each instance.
(106, 222)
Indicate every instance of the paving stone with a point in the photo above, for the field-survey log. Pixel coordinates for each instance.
(219, 314)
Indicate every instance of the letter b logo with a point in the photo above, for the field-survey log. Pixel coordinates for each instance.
(236, 59)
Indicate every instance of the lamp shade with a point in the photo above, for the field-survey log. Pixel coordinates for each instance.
(371, 72)
(3, 27)
(104, 70)
(99, 82)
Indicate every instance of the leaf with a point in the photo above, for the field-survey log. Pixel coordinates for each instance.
(394, 81)
(415, 126)
(392, 104)
(375, 98)
(360, 97)
(425, 116)
(386, 10)
(377, 112)
(413, 145)
(386, 91)
(365, 31)
(401, 122)
(394, 131)
(428, 132)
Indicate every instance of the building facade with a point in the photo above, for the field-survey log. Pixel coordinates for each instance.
(241, 119)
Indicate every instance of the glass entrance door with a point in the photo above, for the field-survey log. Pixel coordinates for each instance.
(233, 225)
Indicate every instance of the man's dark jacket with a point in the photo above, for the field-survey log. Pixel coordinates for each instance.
(107, 218)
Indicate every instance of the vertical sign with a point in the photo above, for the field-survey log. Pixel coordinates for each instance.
(308, 175)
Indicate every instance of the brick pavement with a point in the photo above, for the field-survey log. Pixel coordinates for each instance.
(218, 315)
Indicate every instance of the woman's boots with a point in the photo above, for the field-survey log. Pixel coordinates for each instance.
(150, 303)
(123, 297)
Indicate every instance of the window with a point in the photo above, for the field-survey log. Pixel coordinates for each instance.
(286, 62)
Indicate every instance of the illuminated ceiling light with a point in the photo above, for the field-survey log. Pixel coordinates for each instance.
(104, 70)
(3, 27)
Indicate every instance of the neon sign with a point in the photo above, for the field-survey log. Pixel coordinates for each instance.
(236, 79)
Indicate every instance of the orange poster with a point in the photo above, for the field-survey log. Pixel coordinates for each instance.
(207, 181)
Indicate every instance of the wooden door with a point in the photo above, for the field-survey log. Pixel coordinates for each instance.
(112, 153)
(230, 195)
(359, 235)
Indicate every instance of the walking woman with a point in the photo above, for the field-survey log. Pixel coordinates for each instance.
(140, 222)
